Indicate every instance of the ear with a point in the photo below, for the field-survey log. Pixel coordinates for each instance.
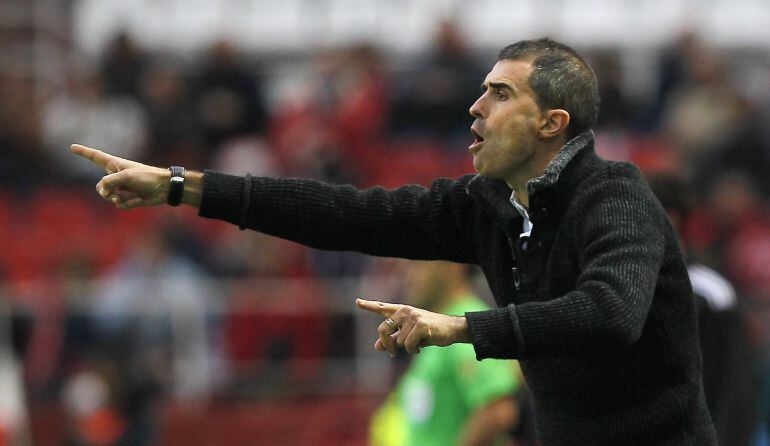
(554, 123)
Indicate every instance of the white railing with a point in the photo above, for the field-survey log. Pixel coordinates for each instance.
(409, 25)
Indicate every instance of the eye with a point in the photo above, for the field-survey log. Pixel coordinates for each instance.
(500, 95)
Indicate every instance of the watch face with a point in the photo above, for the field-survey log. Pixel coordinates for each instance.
(177, 180)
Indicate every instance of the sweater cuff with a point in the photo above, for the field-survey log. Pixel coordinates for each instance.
(495, 333)
(221, 197)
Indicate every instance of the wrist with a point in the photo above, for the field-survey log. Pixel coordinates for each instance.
(193, 188)
(460, 328)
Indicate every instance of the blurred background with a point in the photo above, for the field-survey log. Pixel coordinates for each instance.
(157, 327)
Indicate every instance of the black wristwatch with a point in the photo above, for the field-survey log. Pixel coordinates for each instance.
(176, 186)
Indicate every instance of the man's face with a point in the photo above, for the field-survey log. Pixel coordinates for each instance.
(507, 122)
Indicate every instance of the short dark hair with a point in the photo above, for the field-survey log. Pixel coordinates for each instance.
(560, 78)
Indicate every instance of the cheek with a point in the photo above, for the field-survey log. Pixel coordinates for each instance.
(520, 129)
(511, 133)
(510, 121)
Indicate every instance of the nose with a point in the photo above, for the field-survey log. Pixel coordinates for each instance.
(476, 109)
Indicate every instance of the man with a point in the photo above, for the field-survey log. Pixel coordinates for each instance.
(728, 369)
(446, 397)
(593, 293)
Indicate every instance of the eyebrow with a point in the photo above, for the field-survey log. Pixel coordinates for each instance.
(498, 85)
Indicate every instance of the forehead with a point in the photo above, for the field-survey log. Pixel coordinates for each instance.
(513, 72)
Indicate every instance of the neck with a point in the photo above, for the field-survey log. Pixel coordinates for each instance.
(522, 196)
(536, 167)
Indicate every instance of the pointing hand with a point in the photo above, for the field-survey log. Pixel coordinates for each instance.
(128, 184)
(413, 328)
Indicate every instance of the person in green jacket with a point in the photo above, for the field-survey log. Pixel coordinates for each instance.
(446, 397)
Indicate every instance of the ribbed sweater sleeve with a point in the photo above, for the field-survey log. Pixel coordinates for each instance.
(619, 240)
(411, 222)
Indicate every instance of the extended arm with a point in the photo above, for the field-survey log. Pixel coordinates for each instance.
(410, 222)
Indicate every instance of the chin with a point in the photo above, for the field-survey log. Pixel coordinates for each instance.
(483, 164)
(478, 166)
(484, 173)
(481, 167)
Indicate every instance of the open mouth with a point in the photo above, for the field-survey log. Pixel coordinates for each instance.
(477, 139)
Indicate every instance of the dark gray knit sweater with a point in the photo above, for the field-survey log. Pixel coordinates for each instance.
(596, 304)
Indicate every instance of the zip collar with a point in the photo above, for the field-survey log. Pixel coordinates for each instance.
(493, 195)
(550, 176)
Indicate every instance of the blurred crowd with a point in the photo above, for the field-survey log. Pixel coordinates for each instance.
(79, 271)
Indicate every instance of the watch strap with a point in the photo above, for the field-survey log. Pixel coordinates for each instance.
(176, 185)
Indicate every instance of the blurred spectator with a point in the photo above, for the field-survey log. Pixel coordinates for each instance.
(143, 329)
(122, 66)
(749, 150)
(79, 337)
(357, 98)
(731, 230)
(676, 63)
(228, 98)
(339, 121)
(84, 112)
(699, 109)
(23, 164)
(328, 135)
(447, 397)
(435, 100)
(156, 299)
(172, 127)
(702, 115)
(614, 113)
(728, 359)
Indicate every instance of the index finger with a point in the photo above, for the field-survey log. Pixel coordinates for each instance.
(96, 156)
(382, 308)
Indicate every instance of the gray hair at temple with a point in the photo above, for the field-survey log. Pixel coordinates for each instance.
(561, 79)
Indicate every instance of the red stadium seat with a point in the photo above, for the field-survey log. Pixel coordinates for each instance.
(266, 316)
